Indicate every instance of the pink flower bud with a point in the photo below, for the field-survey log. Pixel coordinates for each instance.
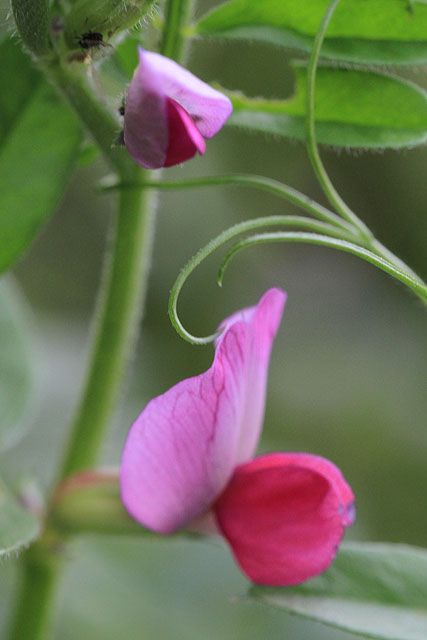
(169, 112)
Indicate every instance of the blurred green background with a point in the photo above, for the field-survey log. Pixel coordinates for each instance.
(347, 378)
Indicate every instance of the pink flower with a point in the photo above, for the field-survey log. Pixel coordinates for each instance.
(188, 458)
(169, 112)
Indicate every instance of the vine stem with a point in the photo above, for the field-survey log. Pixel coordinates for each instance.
(119, 308)
(325, 182)
(177, 16)
(366, 237)
(120, 305)
(244, 180)
(35, 599)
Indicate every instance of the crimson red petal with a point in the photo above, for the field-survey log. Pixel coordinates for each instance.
(284, 515)
(184, 137)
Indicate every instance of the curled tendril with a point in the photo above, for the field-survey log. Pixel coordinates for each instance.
(337, 232)
(334, 243)
(226, 236)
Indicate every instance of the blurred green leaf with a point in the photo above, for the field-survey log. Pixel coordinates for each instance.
(88, 153)
(126, 55)
(16, 370)
(374, 31)
(375, 590)
(354, 108)
(40, 138)
(18, 527)
(21, 78)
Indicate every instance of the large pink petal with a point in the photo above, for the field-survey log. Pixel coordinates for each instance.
(284, 515)
(263, 320)
(181, 451)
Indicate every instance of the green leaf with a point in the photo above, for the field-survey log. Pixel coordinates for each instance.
(372, 31)
(374, 590)
(18, 527)
(21, 79)
(32, 21)
(16, 368)
(354, 108)
(40, 140)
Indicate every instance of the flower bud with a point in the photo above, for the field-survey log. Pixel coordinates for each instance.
(169, 112)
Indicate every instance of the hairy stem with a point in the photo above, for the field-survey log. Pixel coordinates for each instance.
(35, 602)
(245, 180)
(177, 15)
(325, 182)
(102, 124)
(120, 305)
(366, 237)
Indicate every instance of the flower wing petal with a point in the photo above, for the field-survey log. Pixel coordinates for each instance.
(180, 452)
(263, 321)
(284, 515)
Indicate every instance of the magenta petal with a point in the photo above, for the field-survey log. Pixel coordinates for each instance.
(182, 450)
(263, 321)
(146, 131)
(184, 137)
(146, 127)
(284, 515)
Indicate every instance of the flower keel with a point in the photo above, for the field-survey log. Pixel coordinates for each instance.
(284, 516)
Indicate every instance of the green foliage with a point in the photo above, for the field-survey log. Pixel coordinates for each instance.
(105, 16)
(378, 31)
(16, 370)
(375, 590)
(354, 108)
(18, 527)
(39, 143)
(32, 20)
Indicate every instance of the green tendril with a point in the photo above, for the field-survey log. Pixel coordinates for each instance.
(325, 182)
(418, 287)
(244, 180)
(226, 236)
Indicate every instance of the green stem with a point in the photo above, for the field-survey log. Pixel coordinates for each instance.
(119, 310)
(104, 127)
(35, 600)
(121, 301)
(325, 182)
(367, 239)
(245, 180)
(177, 15)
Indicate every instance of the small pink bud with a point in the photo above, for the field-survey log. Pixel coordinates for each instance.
(169, 112)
